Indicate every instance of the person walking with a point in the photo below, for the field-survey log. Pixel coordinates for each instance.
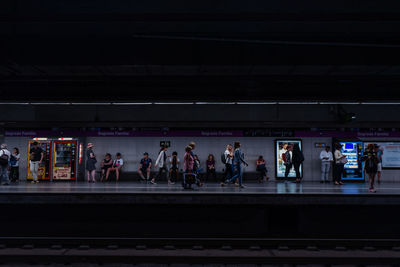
(91, 163)
(237, 160)
(161, 162)
(227, 157)
(340, 161)
(14, 165)
(326, 158)
(4, 164)
(371, 165)
(298, 159)
(35, 159)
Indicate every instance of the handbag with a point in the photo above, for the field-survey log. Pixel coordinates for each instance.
(343, 160)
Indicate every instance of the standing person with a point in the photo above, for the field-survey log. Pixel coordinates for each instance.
(188, 165)
(287, 158)
(210, 164)
(105, 165)
(262, 169)
(161, 162)
(4, 163)
(36, 157)
(237, 160)
(117, 165)
(326, 158)
(198, 170)
(339, 165)
(228, 157)
(379, 153)
(174, 167)
(298, 159)
(91, 163)
(145, 167)
(14, 164)
(371, 165)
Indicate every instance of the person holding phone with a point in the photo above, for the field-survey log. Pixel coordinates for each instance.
(326, 158)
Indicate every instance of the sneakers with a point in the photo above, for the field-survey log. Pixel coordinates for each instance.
(35, 182)
(372, 190)
(153, 182)
(242, 186)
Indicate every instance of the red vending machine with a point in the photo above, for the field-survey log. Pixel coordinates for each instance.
(44, 172)
(65, 159)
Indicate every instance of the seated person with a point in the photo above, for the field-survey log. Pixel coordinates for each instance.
(105, 165)
(117, 166)
(174, 167)
(262, 169)
(145, 167)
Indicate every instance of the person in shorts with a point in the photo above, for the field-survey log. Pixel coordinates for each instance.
(105, 165)
(145, 167)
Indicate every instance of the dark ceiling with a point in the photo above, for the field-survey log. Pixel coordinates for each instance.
(199, 50)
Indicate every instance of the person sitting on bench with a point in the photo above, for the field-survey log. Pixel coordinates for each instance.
(117, 166)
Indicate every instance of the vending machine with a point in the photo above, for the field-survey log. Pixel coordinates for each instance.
(44, 172)
(65, 159)
(353, 169)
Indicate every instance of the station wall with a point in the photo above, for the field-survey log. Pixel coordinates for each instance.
(132, 150)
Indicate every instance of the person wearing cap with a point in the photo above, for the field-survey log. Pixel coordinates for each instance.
(145, 166)
(36, 155)
(339, 165)
(91, 163)
(4, 164)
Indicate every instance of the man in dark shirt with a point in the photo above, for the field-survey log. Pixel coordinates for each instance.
(145, 166)
(36, 158)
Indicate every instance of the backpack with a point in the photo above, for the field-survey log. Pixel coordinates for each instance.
(4, 158)
(223, 158)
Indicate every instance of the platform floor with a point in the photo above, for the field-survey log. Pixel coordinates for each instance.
(270, 188)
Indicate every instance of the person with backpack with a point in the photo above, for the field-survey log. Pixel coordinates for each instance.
(226, 158)
(371, 165)
(297, 160)
(14, 165)
(4, 163)
(237, 161)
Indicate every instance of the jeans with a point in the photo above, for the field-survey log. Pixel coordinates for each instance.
(160, 171)
(287, 170)
(228, 172)
(237, 170)
(4, 174)
(325, 168)
(34, 166)
(211, 172)
(296, 166)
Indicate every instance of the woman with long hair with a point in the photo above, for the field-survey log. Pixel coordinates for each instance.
(210, 164)
(90, 163)
(161, 162)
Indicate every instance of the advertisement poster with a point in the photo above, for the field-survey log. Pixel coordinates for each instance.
(353, 170)
(390, 153)
(281, 147)
(62, 173)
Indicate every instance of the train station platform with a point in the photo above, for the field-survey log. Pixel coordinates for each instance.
(271, 193)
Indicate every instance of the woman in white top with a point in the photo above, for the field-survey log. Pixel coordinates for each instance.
(161, 163)
(339, 165)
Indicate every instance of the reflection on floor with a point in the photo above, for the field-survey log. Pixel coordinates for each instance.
(274, 187)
